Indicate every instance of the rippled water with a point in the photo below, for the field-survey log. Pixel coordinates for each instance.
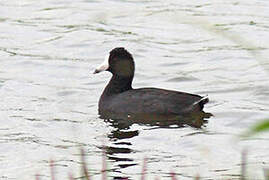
(49, 96)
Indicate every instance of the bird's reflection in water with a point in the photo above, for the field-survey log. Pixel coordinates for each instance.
(123, 133)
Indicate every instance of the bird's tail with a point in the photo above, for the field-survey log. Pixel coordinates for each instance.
(202, 102)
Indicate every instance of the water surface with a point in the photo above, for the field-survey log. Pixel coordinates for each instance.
(49, 96)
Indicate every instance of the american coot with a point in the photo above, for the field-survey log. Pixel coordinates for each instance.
(120, 98)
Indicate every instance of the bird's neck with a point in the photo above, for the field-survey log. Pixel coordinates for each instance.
(118, 84)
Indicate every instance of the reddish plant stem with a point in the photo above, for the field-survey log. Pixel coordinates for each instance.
(144, 169)
(104, 168)
(52, 170)
(173, 176)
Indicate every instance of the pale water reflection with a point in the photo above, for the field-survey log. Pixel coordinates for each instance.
(48, 96)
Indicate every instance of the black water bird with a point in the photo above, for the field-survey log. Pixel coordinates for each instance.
(119, 98)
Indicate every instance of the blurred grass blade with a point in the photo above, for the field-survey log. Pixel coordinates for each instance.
(104, 168)
(173, 176)
(260, 127)
(37, 177)
(244, 164)
(144, 169)
(71, 176)
(52, 170)
(266, 174)
(84, 165)
(263, 126)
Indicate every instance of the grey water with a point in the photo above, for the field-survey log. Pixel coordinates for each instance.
(49, 96)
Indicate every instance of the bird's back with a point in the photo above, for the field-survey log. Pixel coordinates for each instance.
(152, 101)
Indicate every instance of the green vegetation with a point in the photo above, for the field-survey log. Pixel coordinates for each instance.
(257, 128)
